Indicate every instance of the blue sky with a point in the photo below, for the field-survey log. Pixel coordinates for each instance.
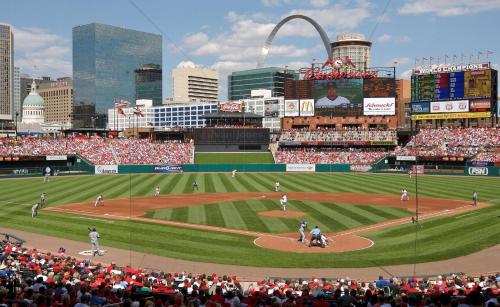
(228, 35)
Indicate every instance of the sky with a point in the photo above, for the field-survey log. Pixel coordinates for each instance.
(228, 35)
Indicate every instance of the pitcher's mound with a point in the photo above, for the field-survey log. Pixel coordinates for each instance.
(280, 213)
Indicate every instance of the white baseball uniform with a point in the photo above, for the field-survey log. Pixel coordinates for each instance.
(283, 202)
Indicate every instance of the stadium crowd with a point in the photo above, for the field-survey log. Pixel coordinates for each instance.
(329, 155)
(29, 277)
(104, 151)
(461, 142)
(338, 135)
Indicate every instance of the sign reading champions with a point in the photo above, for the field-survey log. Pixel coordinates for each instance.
(424, 70)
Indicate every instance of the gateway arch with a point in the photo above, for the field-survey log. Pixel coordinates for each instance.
(269, 40)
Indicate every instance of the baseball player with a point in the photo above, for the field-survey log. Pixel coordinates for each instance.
(302, 230)
(474, 198)
(324, 240)
(233, 173)
(46, 174)
(277, 186)
(404, 195)
(43, 197)
(99, 201)
(94, 242)
(157, 191)
(409, 173)
(283, 202)
(195, 186)
(34, 210)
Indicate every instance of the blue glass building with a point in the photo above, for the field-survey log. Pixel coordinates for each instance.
(105, 59)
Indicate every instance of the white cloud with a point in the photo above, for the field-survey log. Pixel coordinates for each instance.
(187, 64)
(448, 7)
(26, 39)
(195, 40)
(39, 48)
(319, 3)
(386, 38)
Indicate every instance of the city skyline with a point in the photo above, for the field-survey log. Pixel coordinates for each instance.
(228, 36)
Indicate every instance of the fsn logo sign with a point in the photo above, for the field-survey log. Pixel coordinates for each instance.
(478, 171)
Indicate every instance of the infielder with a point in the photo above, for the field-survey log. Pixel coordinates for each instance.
(277, 186)
(46, 174)
(404, 195)
(34, 210)
(302, 230)
(99, 201)
(94, 241)
(283, 202)
(195, 186)
(233, 173)
(474, 198)
(157, 191)
(43, 197)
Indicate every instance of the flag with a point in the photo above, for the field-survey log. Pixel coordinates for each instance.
(120, 110)
(138, 112)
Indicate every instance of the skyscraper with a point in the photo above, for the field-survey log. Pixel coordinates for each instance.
(104, 62)
(241, 83)
(356, 47)
(195, 83)
(58, 97)
(17, 94)
(6, 72)
(148, 83)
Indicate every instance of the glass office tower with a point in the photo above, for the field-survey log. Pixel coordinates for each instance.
(148, 83)
(105, 59)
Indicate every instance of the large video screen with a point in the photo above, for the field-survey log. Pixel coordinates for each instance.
(342, 97)
(453, 86)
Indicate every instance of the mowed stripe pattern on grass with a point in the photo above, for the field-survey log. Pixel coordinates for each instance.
(438, 238)
(244, 215)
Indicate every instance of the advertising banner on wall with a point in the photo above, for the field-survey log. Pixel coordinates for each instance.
(478, 171)
(454, 106)
(301, 167)
(307, 107)
(271, 108)
(167, 168)
(360, 167)
(451, 115)
(379, 106)
(292, 107)
(230, 107)
(57, 158)
(406, 158)
(421, 107)
(106, 169)
(484, 104)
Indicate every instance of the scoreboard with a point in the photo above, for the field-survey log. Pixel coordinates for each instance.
(452, 86)
(299, 89)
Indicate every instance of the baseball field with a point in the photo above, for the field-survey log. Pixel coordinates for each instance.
(238, 220)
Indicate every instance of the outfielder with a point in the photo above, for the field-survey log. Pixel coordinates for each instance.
(157, 191)
(233, 173)
(284, 202)
(409, 173)
(302, 230)
(43, 197)
(94, 241)
(195, 186)
(277, 186)
(99, 201)
(46, 174)
(34, 210)
(404, 195)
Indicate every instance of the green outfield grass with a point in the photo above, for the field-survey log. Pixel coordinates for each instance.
(243, 215)
(232, 158)
(438, 238)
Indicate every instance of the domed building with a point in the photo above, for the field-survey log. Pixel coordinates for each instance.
(33, 107)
